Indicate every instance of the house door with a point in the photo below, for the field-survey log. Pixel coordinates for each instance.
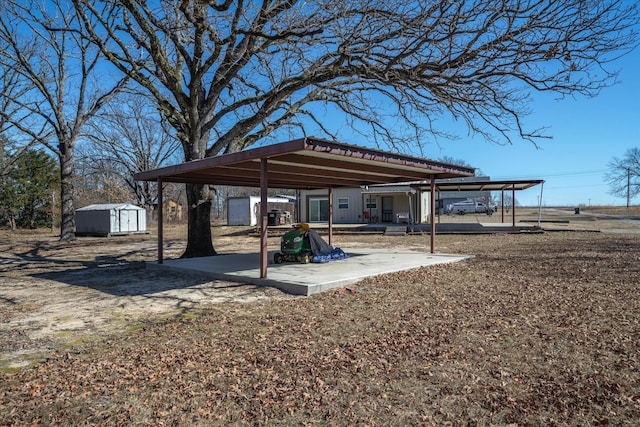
(318, 210)
(387, 209)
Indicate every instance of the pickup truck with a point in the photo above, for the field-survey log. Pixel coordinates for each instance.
(462, 208)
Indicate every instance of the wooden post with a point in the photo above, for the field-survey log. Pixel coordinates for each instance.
(160, 223)
(264, 187)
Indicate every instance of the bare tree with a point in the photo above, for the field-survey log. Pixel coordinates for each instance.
(12, 86)
(460, 162)
(43, 44)
(92, 187)
(229, 74)
(623, 176)
(128, 136)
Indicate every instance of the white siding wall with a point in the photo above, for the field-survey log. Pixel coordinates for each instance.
(357, 205)
(352, 212)
(349, 213)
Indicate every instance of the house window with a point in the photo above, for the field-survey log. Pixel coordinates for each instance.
(318, 209)
(343, 203)
(370, 203)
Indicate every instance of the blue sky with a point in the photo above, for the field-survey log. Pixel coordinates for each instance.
(587, 134)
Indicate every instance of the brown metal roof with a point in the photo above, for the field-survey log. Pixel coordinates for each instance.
(306, 163)
(480, 185)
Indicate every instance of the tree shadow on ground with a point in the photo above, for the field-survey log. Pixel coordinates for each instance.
(115, 275)
(124, 278)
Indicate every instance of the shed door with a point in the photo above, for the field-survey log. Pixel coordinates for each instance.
(128, 220)
(133, 220)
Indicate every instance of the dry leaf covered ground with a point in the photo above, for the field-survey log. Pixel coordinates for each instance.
(535, 330)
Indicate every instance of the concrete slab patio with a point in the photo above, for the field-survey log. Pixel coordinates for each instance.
(306, 279)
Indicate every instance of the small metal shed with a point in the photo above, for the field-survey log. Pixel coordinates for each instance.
(246, 210)
(111, 219)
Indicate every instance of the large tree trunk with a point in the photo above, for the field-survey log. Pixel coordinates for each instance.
(199, 235)
(67, 220)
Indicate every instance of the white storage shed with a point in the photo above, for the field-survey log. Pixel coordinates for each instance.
(245, 210)
(111, 219)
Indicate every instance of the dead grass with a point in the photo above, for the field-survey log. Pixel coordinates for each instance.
(535, 330)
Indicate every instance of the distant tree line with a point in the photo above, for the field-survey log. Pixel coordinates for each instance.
(28, 189)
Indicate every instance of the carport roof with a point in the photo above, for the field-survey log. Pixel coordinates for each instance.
(480, 185)
(306, 163)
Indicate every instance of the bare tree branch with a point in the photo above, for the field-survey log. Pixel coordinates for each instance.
(126, 137)
(45, 46)
(228, 74)
(623, 176)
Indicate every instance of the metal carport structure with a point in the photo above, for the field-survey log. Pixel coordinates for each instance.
(503, 185)
(306, 163)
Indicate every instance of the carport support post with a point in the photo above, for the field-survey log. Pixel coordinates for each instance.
(160, 225)
(540, 204)
(330, 215)
(513, 205)
(432, 213)
(264, 215)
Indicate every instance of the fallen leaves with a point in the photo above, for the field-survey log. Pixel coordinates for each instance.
(525, 333)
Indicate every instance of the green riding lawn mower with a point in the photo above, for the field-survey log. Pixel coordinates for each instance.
(305, 245)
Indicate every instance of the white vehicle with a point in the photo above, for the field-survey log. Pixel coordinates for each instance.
(469, 206)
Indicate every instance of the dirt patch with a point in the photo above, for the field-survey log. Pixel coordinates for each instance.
(56, 294)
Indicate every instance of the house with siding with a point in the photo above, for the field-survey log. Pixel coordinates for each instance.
(380, 203)
(385, 203)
